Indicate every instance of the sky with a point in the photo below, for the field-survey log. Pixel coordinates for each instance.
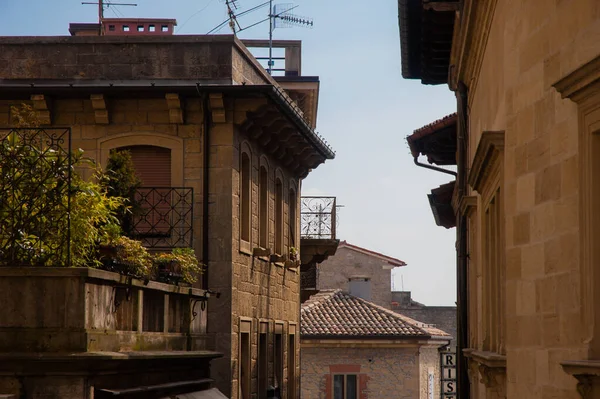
(366, 110)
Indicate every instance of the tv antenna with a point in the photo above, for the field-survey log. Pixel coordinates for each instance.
(279, 17)
(102, 4)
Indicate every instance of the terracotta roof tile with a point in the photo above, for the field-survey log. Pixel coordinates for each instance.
(335, 314)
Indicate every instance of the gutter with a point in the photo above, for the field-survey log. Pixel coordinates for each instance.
(436, 168)
(205, 188)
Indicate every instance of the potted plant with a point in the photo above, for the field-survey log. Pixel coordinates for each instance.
(293, 254)
(126, 256)
(179, 265)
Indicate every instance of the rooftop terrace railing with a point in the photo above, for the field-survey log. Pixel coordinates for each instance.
(318, 217)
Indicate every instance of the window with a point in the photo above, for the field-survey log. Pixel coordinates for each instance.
(485, 177)
(360, 287)
(125, 28)
(345, 386)
(293, 226)
(493, 274)
(264, 207)
(245, 359)
(278, 217)
(164, 28)
(245, 198)
(151, 28)
(263, 360)
(111, 28)
(292, 362)
(278, 360)
(140, 28)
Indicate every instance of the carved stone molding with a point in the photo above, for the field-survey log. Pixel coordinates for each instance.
(491, 367)
(100, 111)
(489, 150)
(217, 107)
(174, 106)
(581, 83)
(41, 104)
(587, 373)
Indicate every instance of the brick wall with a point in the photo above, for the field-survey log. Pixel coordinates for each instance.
(334, 273)
(388, 371)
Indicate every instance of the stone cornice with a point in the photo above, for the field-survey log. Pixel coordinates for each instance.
(471, 31)
(580, 83)
(491, 367)
(587, 373)
(466, 205)
(488, 152)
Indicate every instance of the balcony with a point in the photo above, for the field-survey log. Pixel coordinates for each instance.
(51, 301)
(318, 240)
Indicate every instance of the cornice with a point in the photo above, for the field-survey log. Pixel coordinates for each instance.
(471, 31)
(488, 152)
(580, 83)
(467, 205)
(491, 367)
(587, 373)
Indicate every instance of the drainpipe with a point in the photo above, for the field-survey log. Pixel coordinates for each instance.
(205, 196)
(438, 169)
(461, 236)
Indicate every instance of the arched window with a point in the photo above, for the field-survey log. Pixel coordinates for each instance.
(263, 186)
(245, 192)
(278, 216)
(292, 202)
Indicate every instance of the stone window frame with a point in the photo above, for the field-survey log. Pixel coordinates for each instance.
(292, 388)
(245, 198)
(279, 364)
(582, 86)
(175, 144)
(486, 177)
(264, 193)
(293, 231)
(262, 362)
(279, 213)
(346, 369)
(245, 329)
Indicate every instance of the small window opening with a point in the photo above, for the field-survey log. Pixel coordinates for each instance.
(264, 207)
(151, 28)
(164, 28)
(125, 28)
(111, 28)
(140, 28)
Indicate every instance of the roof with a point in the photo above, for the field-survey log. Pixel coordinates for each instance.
(440, 201)
(335, 314)
(436, 140)
(426, 30)
(388, 259)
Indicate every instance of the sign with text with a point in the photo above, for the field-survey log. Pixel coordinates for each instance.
(448, 374)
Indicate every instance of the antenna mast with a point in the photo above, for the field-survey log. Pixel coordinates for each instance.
(100, 4)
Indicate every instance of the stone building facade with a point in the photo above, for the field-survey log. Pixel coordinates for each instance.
(525, 203)
(375, 352)
(233, 134)
(359, 271)
(442, 317)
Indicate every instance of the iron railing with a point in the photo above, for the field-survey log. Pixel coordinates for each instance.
(318, 217)
(35, 196)
(163, 217)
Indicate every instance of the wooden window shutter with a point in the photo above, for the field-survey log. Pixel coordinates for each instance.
(152, 165)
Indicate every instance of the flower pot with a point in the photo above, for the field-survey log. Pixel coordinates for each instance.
(169, 271)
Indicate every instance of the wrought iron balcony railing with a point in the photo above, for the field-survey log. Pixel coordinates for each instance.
(163, 217)
(318, 217)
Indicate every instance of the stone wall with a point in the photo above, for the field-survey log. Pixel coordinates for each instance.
(334, 273)
(221, 59)
(442, 317)
(532, 45)
(384, 371)
(261, 291)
